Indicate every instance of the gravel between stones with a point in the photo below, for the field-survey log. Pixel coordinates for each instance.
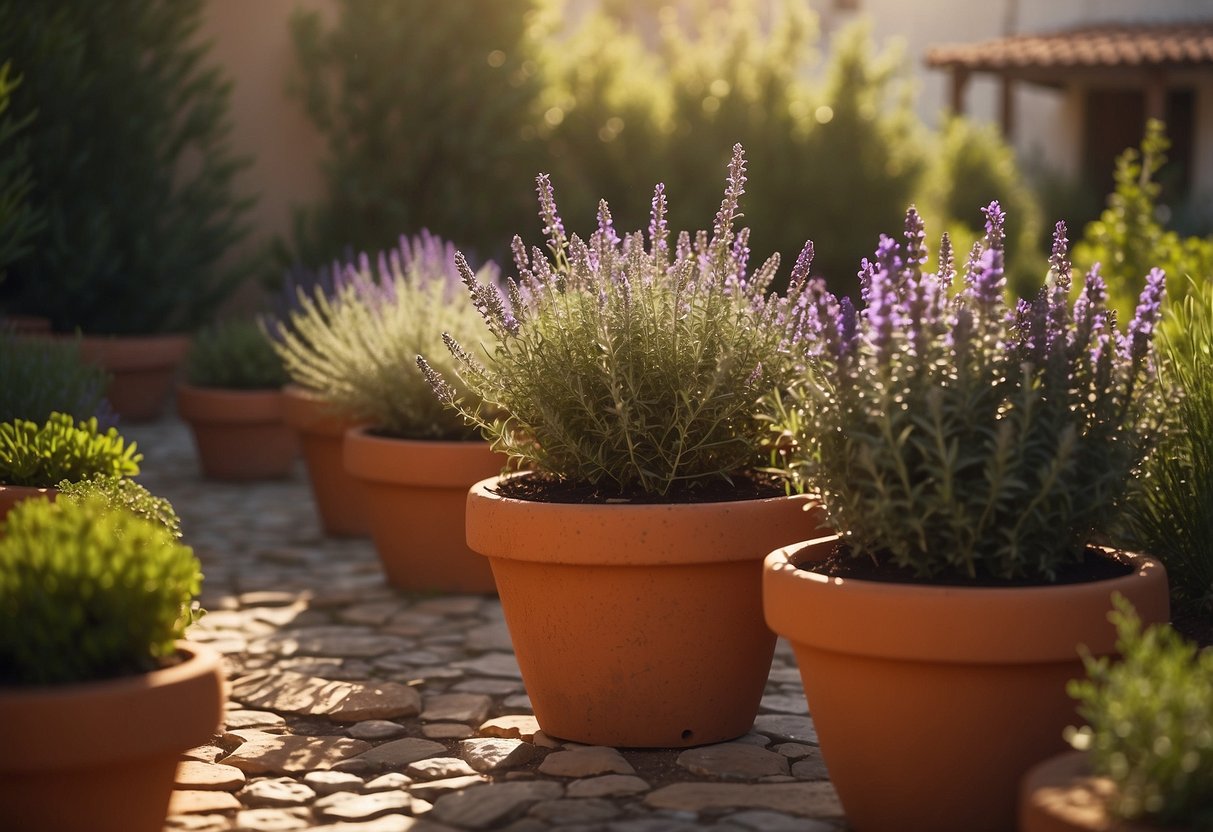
(354, 707)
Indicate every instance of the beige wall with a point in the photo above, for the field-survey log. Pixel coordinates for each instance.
(251, 41)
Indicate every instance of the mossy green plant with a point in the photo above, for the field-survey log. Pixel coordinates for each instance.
(124, 493)
(88, 591)
(40, 456)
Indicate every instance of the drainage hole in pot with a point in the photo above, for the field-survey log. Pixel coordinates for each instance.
(687, 734)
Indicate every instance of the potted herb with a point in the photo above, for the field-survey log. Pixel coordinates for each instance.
(232, 400)
(35, 457)
(96, 688)
(414, 459)
(968, 455)
(628, 373)
(39, 376)
(1145, 756)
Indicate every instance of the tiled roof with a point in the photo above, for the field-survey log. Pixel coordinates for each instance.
(1108, 45)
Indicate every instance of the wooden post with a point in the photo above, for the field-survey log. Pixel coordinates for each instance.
(1156, 94)
(1006, 111)
(960, 85)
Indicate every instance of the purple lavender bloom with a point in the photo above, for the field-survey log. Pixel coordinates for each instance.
(553, 227)
(847, 326)
(916, 240)
(659, 233)
(947, 262)
(800, 271)
(1145, 318)
(995, 221)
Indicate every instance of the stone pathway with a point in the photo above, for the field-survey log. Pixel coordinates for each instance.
(357, 708)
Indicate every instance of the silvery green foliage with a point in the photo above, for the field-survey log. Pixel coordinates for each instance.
(1148, 724)
(39, 376)
(950, 434)
(88, 592)
(629, 364)
(124, 493)
(40, 456)
(234, 355)
(356, 344)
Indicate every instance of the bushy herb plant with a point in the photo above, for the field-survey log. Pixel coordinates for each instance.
(123, 493)
(234, 355)
(952, 435)
(632, 365)
(41, 455)
(132, 166)
(19, 219)
(1170, 516)
(40, 376)
(1148, 724)
(89, 591)
(1128, 238)
(356, 345)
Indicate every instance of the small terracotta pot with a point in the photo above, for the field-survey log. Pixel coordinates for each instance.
(103, 755)
(930, 702)
(636, 624)
(1061, 795)
(339, 497)
(416, 496)
(240, 434)
(10, 495)
(142, 369)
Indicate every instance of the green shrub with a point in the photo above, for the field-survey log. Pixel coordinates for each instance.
(1171, 514)
(356, 345)
(40, 456)
(952, 436)
(123, 493)
(631, 368)
(235, 355)
(1149, 728)
(40, 376)
(426, 107)
(131, 163)
(89, 592)
(19, 219)
(1127, 240)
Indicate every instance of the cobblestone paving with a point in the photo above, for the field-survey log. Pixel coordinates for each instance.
(354, 707)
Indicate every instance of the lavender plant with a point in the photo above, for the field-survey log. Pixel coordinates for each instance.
(953, 435)
(628, 366)
(355, 345)
(1149, 728)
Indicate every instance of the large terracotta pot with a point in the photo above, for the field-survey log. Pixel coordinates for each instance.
(1061, 795)
(103, 756)
(339, 497)
(636, 624)
(416, 496)
(10, 495)
(930, 702)
(240, 434)
(142, 369)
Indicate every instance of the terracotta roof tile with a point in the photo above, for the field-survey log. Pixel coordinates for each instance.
(1107, 45)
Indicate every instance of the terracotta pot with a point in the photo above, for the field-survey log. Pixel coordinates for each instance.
(1061, 795)
(930, 702)
(416, 494)
(142, 368)
(10, 495)
(26, 324)
(339, 497)
(102, 756)
(636, 625)
(240, 434)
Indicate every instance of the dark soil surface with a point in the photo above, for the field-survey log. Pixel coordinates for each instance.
(551, 490)
(1194, 625)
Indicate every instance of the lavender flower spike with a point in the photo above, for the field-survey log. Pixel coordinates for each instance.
(659, 232)
(1149, 308)
(995, 220)
(1059, 260)
(722, 229)
(487, 300)
(553, 226)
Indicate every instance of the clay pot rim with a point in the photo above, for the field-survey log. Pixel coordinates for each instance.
(434, 463)
(73, 708)
(47, 490)
(307, 412)
(132, 352)
(228, 405)
(950, 624)
(629, 534)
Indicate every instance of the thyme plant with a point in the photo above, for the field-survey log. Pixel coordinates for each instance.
(1149, 728)
(953, 434)
(634, 366)
(235, 355)
(355, 345)
(123, 493)
(40, 376)
(40, 455)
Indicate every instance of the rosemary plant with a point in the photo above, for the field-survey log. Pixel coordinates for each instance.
(632, 366)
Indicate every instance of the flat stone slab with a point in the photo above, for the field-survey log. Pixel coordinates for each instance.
(439, 768)
(376, 729)
(436, 788)
(515, 726)
(496, 754)
(273, 820)
(782, 703)
(447, 731)
(341, 701)
(277, 792)
(290, 754)
(208, 776)
(365, 806)
(733, 761)
(342, 642)
(252, 719)
(786, 728)
(457, 707)
(608, 785)
(812, 800)
(492, 664)
(566, 812)
(327, 782)
(399, 753)
(480, 807)
(585, 762)
(197, 802)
